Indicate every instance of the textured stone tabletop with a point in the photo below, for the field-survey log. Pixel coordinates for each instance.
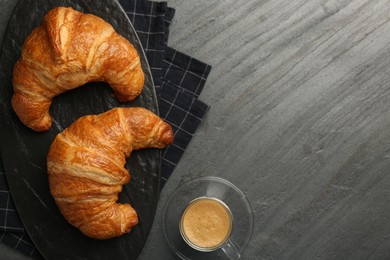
(299, 121)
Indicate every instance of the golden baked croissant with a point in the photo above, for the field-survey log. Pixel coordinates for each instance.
(67, 50)
(86, 167)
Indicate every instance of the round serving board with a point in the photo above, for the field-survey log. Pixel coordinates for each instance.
(24, 151)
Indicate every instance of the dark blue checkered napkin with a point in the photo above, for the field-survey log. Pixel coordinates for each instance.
(179, 80)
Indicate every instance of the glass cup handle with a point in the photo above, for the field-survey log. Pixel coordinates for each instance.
(230, 248)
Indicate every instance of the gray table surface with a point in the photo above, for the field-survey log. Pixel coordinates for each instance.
(299, 121)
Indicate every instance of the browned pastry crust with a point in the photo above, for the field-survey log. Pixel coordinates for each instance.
(86, 167)
(66, 51)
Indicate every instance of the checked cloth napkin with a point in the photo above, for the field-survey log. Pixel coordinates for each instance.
(179, 80)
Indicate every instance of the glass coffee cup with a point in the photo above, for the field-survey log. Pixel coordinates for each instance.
(206, 224)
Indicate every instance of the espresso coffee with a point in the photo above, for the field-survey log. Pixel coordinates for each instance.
(206, 223)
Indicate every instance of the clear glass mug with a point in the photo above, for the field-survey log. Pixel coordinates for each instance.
(206, 225)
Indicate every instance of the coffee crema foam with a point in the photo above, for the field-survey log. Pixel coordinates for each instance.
(206, 223)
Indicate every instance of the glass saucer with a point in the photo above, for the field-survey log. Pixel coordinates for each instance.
(214, 187)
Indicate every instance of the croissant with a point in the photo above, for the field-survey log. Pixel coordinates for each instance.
(67, 50)
(86, 167)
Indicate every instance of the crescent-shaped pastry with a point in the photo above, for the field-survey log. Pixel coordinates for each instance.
(66, 51)
(86, 167)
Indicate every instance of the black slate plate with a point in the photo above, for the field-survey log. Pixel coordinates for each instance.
(24, 151)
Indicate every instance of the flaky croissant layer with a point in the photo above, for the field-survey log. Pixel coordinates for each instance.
(67, 50)
(86, 167)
